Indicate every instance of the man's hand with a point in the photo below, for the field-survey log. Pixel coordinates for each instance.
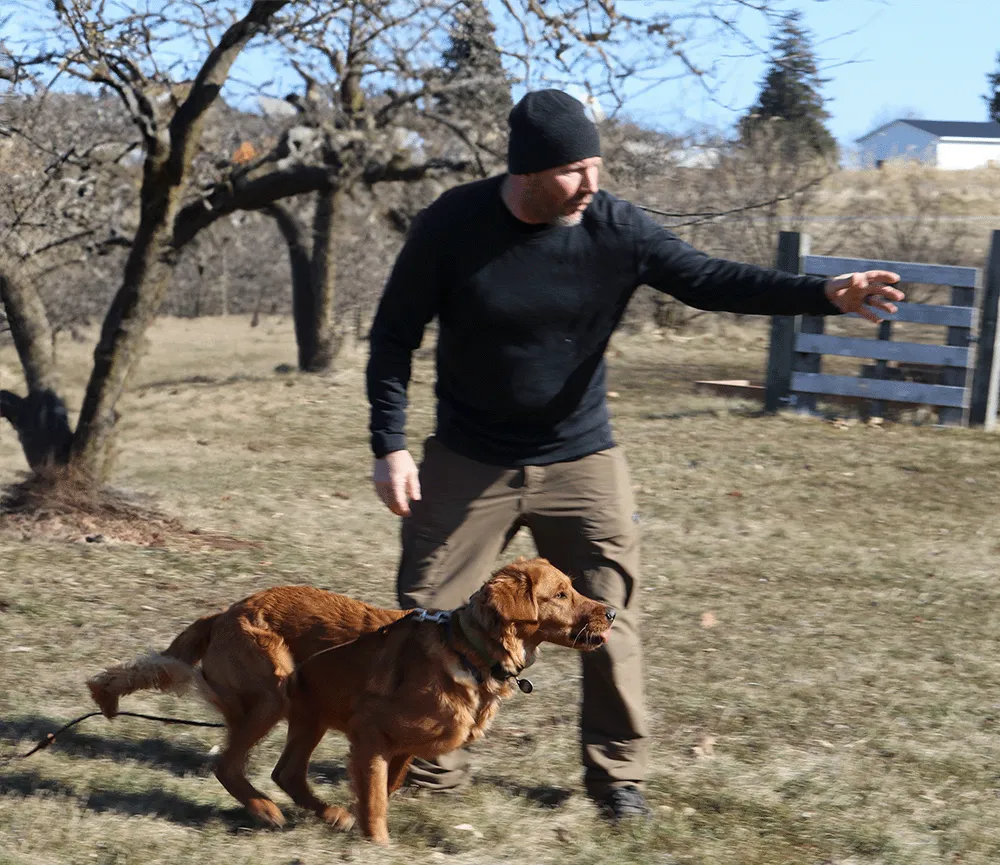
(397, 481)
(856, 292)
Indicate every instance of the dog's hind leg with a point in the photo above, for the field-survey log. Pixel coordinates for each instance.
(249, 675)
(291, 771)
(230, 769)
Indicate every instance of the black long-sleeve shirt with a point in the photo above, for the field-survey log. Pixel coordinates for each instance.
(525, 313)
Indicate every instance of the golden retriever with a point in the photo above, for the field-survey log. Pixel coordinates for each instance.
(400, 684)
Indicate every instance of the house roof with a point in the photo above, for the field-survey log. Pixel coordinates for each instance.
(946, 128)
(957, 128)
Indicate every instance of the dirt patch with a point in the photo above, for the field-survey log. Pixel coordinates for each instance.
(57, 506)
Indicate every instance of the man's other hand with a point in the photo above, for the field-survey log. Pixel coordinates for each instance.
(397, 481)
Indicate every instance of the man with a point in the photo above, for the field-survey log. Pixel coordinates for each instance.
(528, 274)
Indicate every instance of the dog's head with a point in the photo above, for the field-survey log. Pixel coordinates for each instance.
(530, 602)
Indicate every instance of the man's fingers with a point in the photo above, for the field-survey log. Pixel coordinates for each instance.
(400, 504)
(392, 497)
(413, 486)
(877, 290)
(880, 303)
(884, 276)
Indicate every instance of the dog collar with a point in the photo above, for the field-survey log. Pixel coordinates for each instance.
(497, 670)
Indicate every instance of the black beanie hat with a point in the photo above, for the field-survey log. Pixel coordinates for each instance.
(549, 128)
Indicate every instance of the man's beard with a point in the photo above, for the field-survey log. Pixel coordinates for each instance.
(547, 211)
(568, 220)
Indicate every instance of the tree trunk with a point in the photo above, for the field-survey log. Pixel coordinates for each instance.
(323, 339)
(147, 275)
(40, 419)
(301, 268)
(29, 326)
(169, 153)
(313, 281)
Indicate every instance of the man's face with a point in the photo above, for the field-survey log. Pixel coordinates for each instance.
(560, 195)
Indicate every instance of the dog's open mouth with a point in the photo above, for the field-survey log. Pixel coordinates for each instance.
(593, 638)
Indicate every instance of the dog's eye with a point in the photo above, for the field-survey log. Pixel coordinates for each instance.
(561, 596)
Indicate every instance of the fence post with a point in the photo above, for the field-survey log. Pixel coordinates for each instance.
(791, 247)
(983, 401)
(960, 336)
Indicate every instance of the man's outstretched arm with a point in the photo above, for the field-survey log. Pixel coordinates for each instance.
(670, 265)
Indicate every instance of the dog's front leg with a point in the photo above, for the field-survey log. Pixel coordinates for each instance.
(398, 767)
(369, 771)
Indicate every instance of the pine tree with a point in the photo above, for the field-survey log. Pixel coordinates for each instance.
(790, 103)
(472, 53)
(992, 98)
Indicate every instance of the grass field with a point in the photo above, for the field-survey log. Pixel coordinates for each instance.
(820, 623)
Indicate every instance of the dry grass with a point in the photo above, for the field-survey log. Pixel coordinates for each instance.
(820, 626)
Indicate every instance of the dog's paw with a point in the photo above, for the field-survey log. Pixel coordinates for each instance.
(266, 812)
(337, 817)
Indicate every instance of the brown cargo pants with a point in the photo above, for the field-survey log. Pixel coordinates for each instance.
(581, 515)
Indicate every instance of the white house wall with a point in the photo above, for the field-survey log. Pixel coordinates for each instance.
(896, 141)
(956, 155)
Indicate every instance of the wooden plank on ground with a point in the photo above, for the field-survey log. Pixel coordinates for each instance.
(874, 349)
(891, 391)
(928, 274)
(929, 313)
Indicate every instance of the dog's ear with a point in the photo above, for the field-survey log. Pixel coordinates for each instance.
(510, 598)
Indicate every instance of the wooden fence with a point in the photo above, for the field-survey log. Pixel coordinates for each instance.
(963, 369)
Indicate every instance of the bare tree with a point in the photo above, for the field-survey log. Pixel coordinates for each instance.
(374, 113)
(115, 48)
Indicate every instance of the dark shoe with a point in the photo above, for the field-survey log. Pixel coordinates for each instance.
(624, 803)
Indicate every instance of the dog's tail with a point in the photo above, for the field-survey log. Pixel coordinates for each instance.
(172, 670)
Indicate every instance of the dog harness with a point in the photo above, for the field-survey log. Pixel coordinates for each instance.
(497, 671)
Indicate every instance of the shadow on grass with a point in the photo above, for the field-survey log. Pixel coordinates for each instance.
(149, 751)
(168, 806)
(539, 794)
(135, 803)
(327, 773)
(30, 783)
(152, 752)
(216, 381)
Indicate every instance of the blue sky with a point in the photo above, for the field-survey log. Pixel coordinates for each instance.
(885, 58)
(929, 57)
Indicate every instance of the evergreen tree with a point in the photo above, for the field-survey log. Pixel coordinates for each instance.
(790, 103)
(992, 98)
(472, 54)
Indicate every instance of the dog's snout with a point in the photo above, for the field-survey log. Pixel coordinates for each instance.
(610, 615)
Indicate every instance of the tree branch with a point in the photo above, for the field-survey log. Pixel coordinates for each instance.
(709, 215)
(210, 79)
(246, 193)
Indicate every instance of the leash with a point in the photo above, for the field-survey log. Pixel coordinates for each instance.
(443, 617)
(51, 737)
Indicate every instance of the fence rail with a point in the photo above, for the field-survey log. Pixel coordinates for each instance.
(964, 369)
(928, 274)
